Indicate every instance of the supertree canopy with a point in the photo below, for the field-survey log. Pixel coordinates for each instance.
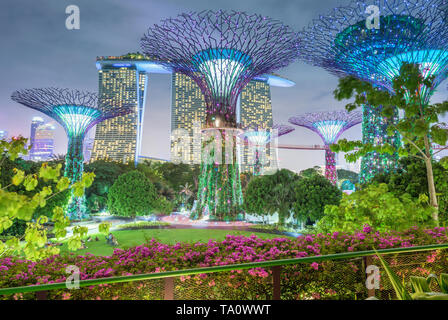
(329, 126)
(348, 41)
(222, 52)
(260, 137)
(77, 112)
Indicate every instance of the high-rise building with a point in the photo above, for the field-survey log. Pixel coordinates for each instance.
(122, 81)
(188, 113)
(3, 134)
(43, 141)
(88, 147)
(35, 123)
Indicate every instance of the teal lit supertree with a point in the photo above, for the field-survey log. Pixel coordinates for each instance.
(258, 138)
(355, 41)
(77, 112)
(222, 52)
(329, 126)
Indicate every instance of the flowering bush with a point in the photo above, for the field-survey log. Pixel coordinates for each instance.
(331, 279)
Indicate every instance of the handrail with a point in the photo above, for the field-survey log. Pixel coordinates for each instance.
(242, 266)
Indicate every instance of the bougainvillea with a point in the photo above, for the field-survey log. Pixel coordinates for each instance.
(158, 257)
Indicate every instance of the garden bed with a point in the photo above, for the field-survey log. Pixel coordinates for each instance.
(328, 280)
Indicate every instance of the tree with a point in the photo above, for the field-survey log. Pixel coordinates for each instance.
(282, 196)
(106, 172)
(271, 193)
(410, 178)
(348, 175)
(256, 198)
(132, 194)
(419, 127)
(23, 194)
(312, 194)
(378, 208)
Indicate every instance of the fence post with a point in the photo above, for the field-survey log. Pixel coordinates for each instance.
(41, 295)
(276, 282)
(168, 293)
(368, 260)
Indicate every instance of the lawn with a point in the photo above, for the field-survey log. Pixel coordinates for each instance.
(132, 238)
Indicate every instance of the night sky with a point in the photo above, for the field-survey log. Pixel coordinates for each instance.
(38, 51)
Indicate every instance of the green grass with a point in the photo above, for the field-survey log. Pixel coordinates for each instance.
(132, 238)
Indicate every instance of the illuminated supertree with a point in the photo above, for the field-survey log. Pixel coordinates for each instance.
(258, 138)
(77, 112)
(371, 40)
(222, 52)
(329, 126)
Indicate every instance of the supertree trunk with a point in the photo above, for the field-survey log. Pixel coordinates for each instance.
(257, 163)
(374, 131)
(74, 166)
(219, 191)
(330, 166)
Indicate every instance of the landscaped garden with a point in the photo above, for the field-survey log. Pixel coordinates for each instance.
(333, 233)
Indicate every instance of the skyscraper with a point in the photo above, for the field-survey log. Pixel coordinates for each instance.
(188, 113)
(42, 137)
(122, 80)
(35, 123)
(3, 134)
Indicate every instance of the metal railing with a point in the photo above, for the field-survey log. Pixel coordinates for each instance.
(276, 265)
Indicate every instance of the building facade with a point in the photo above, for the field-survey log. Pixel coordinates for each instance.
(122, 81)
(42, 141)
(188, 113)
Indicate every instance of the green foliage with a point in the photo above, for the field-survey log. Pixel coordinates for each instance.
(312, 194)
(132, 194)
(20, 201)
(104, 227)
(343, 174)
(271, 193)
(419, 127)
(143, 225)
(377, 207)
(411, 177)
(106, 172)
(420, 285)
(256, 198)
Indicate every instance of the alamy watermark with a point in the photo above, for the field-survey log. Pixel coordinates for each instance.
(373, 277)
(72, 281)
(225, 146)
(373, 21)
(73, 21)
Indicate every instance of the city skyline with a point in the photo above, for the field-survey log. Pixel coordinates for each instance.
(71, 63)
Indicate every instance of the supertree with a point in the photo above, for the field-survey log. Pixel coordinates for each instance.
(76, 111)
(371, 40)
(258, 138)
(222, 52)
(329, 126)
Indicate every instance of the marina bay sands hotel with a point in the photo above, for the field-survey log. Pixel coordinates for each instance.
(124, 80)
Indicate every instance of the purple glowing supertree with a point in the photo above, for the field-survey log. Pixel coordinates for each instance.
(77, 112)
(371, 40)
(222, 52)
(258, 138)
(329, 126)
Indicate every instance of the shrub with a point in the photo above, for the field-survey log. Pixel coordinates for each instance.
(326, 280)
(312, 194)
(377, 207)
(132, 194)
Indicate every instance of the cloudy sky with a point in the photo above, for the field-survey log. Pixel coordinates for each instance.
(38, 51)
